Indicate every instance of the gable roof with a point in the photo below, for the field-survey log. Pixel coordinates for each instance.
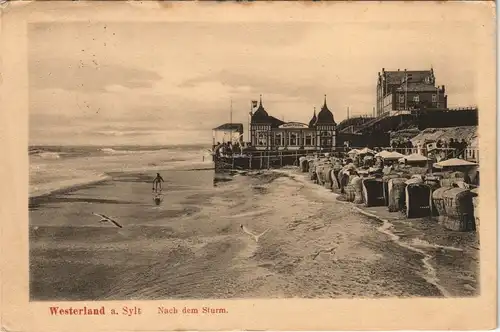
(397, 77)
(275, 122)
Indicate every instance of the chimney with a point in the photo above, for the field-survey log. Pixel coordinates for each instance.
(443, 89)
(398, 69)
(383, 70)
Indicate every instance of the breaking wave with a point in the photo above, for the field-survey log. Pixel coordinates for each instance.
(45, 154)
(54, 169)
(111, 151)
(49, 188)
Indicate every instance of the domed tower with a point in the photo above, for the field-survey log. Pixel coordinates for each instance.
(312, 123)
(260, 127)
(325, 128)
(260, 115)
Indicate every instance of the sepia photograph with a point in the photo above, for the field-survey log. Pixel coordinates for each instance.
(218, 170)
(312, 156)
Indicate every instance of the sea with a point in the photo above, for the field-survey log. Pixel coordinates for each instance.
(54, 168)
(199, 242)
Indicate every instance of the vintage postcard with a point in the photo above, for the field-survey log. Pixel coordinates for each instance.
(248, 166)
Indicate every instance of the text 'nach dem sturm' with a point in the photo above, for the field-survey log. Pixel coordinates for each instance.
(132, 311)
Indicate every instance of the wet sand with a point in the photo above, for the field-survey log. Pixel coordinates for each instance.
(192, 246)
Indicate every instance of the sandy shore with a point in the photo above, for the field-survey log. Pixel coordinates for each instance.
(450, 259)
(193, 247)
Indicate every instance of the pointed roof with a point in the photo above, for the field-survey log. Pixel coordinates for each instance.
(260, 115)
(313, 119)
(325, 116)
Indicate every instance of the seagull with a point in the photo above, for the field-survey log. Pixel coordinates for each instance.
(106, 218)
(256, 237)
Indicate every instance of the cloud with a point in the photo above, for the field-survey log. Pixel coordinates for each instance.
(254, 83)
(86, 75)
(295, 98)
(111, 81)
(135, 133)
(126, 110)
(41, 137)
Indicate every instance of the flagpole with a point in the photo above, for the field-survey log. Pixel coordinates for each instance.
(437, 96)
(406, 91)
(250, 119)
(231, 112)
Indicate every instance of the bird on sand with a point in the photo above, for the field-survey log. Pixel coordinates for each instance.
(107, 219)
(255, 236)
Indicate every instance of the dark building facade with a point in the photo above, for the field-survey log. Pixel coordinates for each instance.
(403, 91)
(270, 133)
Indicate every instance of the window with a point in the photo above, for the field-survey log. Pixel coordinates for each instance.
(277, 139)
(308, 139)
(416, 98)
(325, 139)
(262, 139)
(293, 139)
(434, 98)
(402, 98)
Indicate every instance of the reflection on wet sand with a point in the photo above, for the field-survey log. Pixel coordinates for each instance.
(194, 245)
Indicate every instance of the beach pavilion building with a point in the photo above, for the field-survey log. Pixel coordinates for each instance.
(270, 133)
(228, 132)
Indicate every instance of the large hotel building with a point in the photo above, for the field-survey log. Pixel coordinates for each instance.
(403, 91)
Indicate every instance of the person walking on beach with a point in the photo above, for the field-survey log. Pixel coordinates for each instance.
(157, 182)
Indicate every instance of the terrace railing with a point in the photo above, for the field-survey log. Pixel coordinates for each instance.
(371, 122)
(266, 159)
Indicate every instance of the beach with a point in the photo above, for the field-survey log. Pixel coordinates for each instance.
(192, 245)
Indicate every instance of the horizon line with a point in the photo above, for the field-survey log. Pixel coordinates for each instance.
(111, 145)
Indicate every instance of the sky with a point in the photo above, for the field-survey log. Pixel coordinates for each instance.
(150, 83)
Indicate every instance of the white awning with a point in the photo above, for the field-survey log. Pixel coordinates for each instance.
(414, 157)
(454, 162)
(366, 151)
